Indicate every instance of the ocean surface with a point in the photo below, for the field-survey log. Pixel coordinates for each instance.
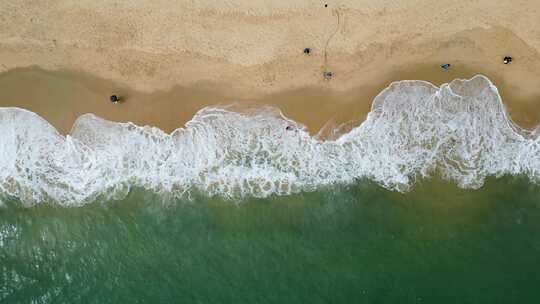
(434, 198)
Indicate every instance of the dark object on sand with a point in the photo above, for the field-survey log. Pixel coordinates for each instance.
(114, 99)
(289, 128)
(507, 59)
(326, 5)
(307, 51)
(328, 75)
(445, 66)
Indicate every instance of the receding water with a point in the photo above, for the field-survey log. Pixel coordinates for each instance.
(351, 244)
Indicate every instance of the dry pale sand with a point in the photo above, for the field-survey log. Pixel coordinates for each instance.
(170, 58)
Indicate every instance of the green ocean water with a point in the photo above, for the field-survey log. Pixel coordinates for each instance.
(349, 244)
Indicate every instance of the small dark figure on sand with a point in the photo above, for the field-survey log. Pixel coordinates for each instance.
(114, 99)
(445, 66)
(507, 59)
(328, 75)
(307, 51)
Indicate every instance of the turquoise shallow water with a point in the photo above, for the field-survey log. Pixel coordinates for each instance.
(354, 244)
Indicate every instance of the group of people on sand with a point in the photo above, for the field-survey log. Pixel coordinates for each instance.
(506, 60)
(446, 66)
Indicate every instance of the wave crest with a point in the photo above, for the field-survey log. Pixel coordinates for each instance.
(415, 129)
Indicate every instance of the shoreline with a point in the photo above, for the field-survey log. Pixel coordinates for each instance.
(62, 96)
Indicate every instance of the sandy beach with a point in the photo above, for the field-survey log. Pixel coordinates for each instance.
(167, 60)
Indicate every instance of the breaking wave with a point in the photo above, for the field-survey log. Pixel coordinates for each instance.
(460, 131)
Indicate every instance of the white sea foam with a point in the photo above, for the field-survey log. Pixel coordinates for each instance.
(415, 129)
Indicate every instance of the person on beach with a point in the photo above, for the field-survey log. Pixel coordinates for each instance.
(114, 99)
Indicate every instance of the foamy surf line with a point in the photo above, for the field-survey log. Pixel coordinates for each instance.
(460, 131)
